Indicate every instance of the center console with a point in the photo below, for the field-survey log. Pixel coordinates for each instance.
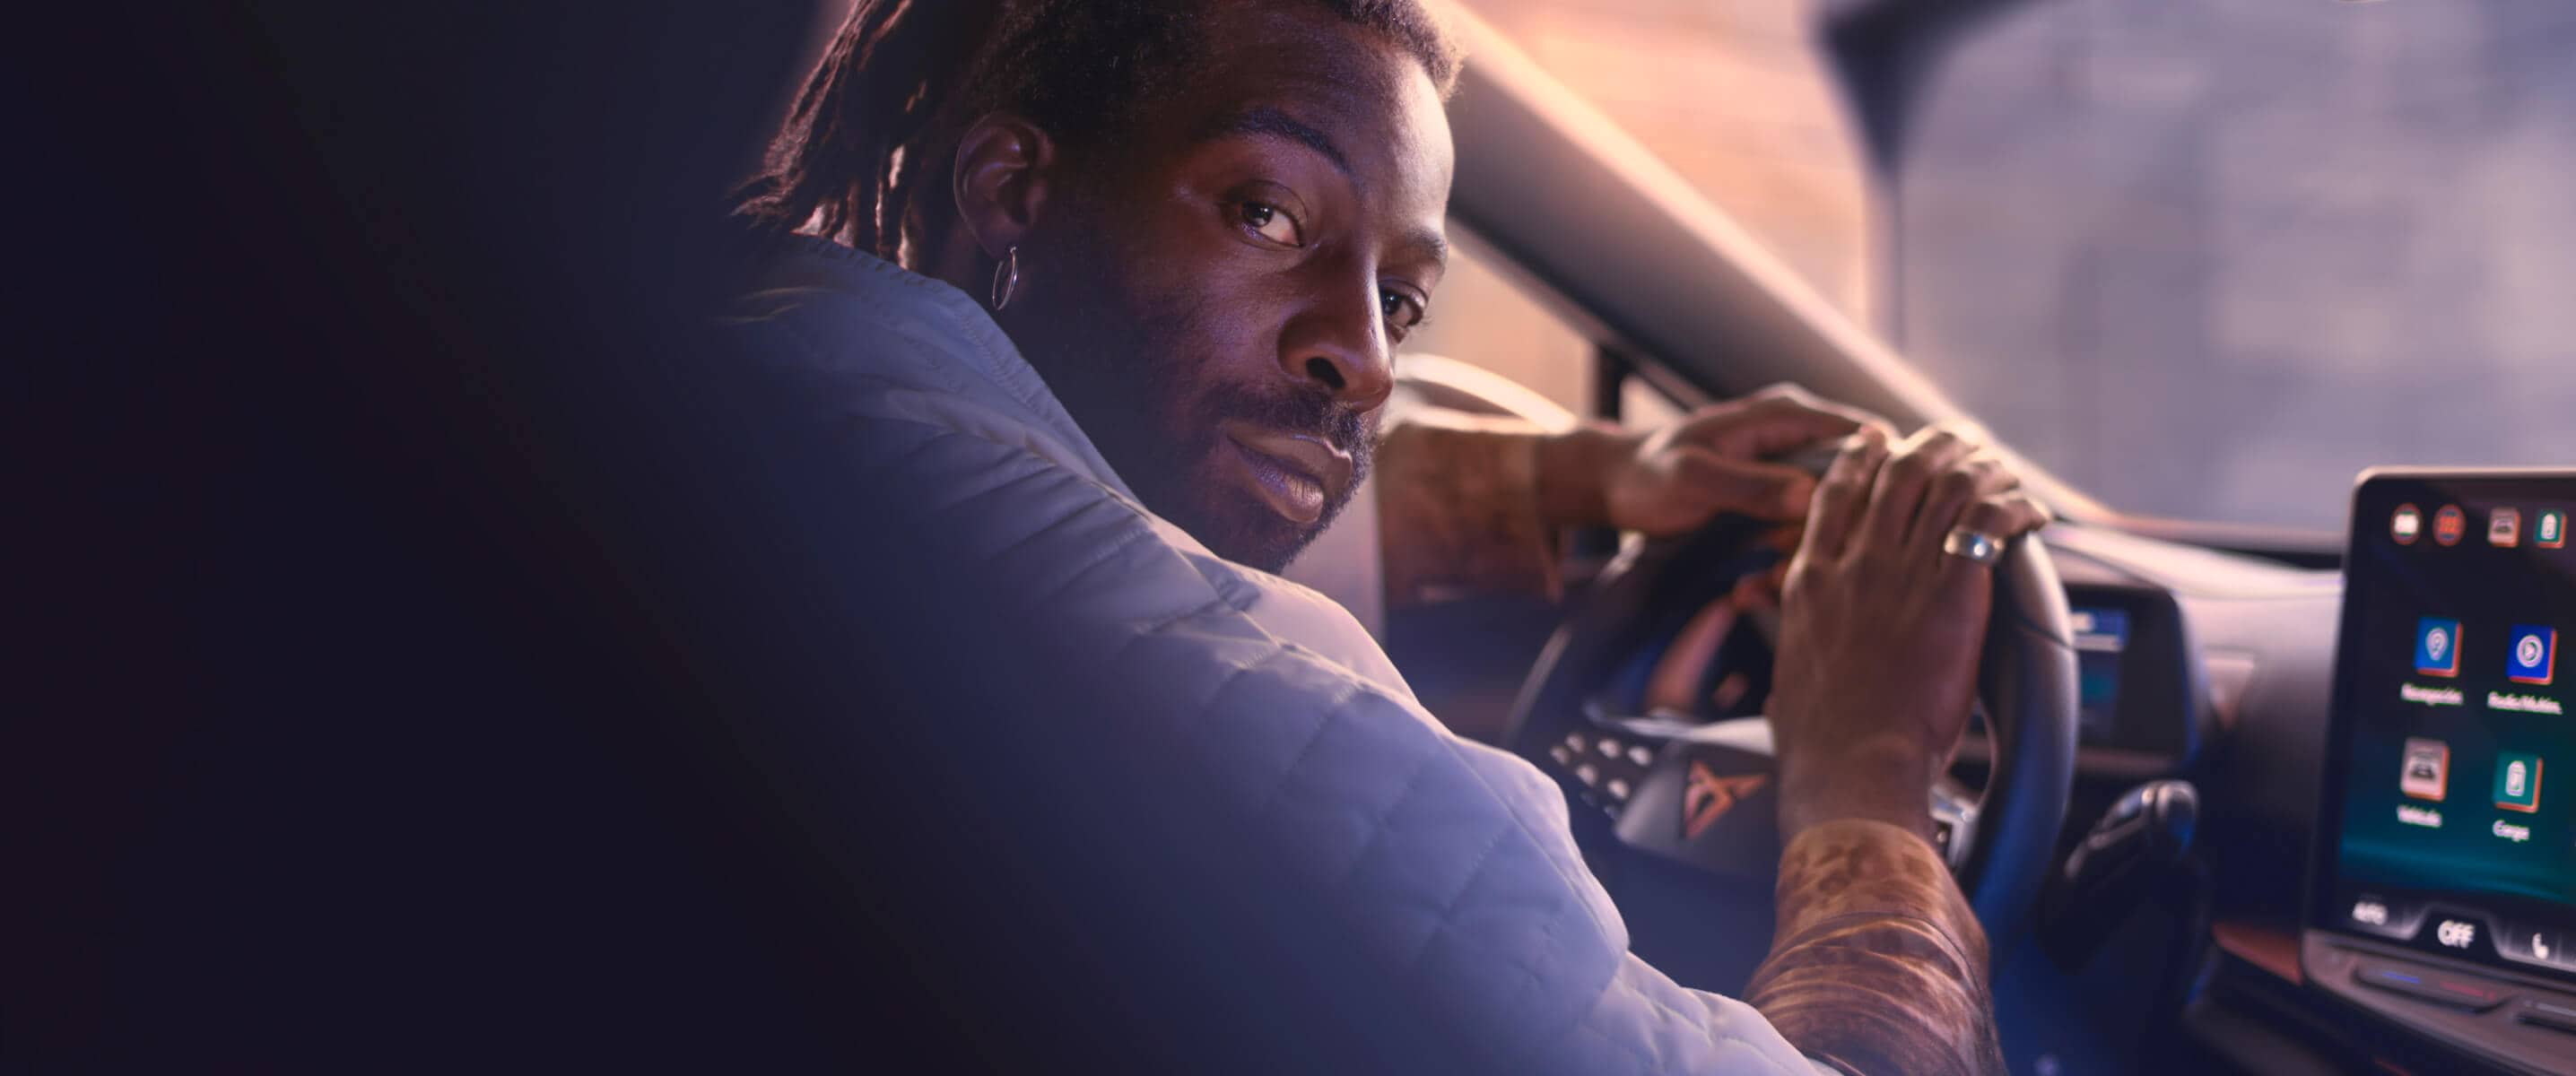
(2442, 881)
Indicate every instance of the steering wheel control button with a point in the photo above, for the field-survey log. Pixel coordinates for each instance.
(1640, 756)
(1587, 774)
(1609, 747)
(2434, 986)
(1617, 788)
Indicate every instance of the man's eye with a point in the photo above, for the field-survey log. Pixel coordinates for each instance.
(1271, 223)
(1401, 311)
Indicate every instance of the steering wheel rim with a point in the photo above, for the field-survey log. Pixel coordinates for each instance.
(2026, 684)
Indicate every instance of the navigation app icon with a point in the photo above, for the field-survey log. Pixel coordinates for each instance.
(2551, 530)
(2437, 646)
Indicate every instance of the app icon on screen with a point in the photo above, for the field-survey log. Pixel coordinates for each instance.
(2504, 527)
(2427, 769)
(2517, 781)
(2437, 646)
(2551, 530)
(2449, 524)
(2406, 525)
(2532, 656)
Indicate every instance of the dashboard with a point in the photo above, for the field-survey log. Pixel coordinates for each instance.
(2289, 709)
(2379, 753)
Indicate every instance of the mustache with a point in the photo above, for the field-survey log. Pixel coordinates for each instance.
(1314, 413)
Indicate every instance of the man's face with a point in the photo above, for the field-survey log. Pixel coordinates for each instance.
(1217, 294)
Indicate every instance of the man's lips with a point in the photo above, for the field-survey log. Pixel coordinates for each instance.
(1297, 474)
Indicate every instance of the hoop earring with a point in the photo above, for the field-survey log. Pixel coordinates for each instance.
(1006, 278)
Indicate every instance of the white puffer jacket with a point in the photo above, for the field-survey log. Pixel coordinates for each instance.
(1448, 863)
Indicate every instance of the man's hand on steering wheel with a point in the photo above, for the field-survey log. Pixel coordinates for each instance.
(1674, 480)
(1882, 620)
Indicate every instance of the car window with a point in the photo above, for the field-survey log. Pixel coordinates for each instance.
(1734, 96)
(2204, 259)
(1487, 315)
(2209, 258)
(1484, 317)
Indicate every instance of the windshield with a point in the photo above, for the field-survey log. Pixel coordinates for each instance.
(2204, 259)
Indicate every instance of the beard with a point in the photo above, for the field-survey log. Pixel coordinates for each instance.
(1136, 374)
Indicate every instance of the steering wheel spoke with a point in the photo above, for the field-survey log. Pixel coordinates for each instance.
(1704, 793)
(1671, 773)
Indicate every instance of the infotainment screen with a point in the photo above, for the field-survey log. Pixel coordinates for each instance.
(2449, 816)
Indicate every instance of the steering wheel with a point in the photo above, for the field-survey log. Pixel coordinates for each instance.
(1701, 794)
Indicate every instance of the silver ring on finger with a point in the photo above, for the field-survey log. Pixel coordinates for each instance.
(1973, 546)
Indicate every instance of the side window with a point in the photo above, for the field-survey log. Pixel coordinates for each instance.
(1483, 318)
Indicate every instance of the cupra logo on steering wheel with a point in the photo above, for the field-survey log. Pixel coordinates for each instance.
(1708, 795)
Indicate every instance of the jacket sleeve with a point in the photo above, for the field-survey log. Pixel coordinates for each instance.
(1457, 499)
(1442, 869)
(1877, 965)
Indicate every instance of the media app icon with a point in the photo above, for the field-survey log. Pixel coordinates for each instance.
(2517, 782)
(2449, 524)
(2550, 532)
(2426, 774)
(2437, 646)
(2532, 657)
(2504, 527)
(2406, 525)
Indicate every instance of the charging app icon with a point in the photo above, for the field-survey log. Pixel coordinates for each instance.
(2517, 782)
(2437, 646)
(2533, 657)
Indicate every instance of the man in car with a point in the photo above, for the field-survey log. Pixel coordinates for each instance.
(1090, 309)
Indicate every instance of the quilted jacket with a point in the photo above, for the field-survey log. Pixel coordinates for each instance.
(1437, 871)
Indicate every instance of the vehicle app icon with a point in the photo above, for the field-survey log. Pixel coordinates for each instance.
(2504, 527)
(2426, 772)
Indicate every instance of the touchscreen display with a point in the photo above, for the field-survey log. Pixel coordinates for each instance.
(2450, 800)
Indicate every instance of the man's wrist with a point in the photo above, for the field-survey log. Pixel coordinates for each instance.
(1573, 473)
(1881, 782)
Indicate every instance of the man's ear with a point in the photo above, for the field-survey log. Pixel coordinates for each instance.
(1003, 164)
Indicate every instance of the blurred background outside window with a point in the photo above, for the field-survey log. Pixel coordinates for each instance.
(2205, 259)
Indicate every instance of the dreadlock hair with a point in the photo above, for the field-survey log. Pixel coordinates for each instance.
(877, 122)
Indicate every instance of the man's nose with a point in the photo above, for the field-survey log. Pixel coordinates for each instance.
(1340, 347)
